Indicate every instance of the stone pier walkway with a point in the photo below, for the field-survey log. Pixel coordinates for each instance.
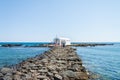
(55, 64)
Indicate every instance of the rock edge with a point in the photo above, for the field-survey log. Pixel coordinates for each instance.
(57, 63)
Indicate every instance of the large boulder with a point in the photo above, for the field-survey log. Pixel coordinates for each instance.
(57, 77)
(6, 70)
(69, 74)
(7, 78)
(82, 75)
(1, 75)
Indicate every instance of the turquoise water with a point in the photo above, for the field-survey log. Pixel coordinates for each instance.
(14, 55)
(102, 60)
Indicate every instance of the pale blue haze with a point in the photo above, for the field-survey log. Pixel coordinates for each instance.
(42, 20)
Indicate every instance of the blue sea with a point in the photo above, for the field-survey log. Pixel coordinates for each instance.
(103, 61)
(14, 55)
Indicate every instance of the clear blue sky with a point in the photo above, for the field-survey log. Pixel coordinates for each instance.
(42, 20)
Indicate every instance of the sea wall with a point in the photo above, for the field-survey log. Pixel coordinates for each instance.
(57, 63)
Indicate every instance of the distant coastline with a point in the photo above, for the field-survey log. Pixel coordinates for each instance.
(49, 44)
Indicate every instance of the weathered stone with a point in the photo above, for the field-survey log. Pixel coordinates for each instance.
(44, 60)
(61, 62)
(28, 76)
(64, 77)
(58, 77)
(40, 65)
(9, 74)
(6, 70)
(16, 77)
(83, 69)
(34, 76)
(32, 65)
(54, 72)
(81, 75)
(59, 68)
(49, 74)
(56, 64)
(72, 59)
(32, 71)
(69, 73)
(79, 63)
(18, 73)
(75, 67)
(7, 78)
(1, 75)
(43, 71)
(51, 67)
(24, 70)
(41, 77)
(31, 60)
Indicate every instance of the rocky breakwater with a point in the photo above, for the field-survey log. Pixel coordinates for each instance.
(55, 64)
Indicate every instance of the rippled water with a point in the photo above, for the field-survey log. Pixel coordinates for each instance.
(102, 60)
(14, 55)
